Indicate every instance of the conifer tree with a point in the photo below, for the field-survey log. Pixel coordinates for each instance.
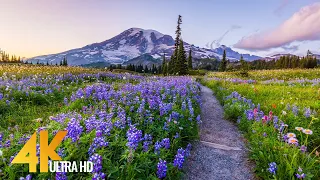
(164, 65)
(181, 64)
(223, 63)
(174, 58)
(190, 59)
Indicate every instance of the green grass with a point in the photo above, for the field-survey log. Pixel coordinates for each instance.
(284, 74)
(264, 143)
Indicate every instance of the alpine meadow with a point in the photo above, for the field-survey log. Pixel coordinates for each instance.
(145, 104)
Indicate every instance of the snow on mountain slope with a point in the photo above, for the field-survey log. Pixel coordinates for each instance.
(132, 43)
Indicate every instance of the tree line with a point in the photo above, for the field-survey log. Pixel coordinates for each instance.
(138, 68)
(63, 62)
(284, 62)
(6, 58)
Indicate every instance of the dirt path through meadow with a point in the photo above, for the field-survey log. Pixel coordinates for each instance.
(220, 154)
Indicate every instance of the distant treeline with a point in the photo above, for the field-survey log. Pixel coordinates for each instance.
(138, 68)
(63, 62)
(285, 62)
(7, 58)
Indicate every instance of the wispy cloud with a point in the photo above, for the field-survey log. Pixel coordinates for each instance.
(304, 25)
(283, 4)
(216, 43)
(292, 48)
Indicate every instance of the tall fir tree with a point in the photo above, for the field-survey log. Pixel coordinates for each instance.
(190, 59)
(174, 58)
(181, 64)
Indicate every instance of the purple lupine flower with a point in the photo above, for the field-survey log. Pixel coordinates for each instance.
(307, 112)
(272, 168)
(303, 148)
(61, 152)
(301, 176)
(288, 107)
(7, 144)
(165, 126)
(166, 143)
(183, 106)
(65, 100)
(179, 158)
(177, 135)
(275, 119)
(188, 150)
(74, 129)
(28, 177)
(264, 134)
(134, 136)
(61, 175)
(250, 114)
(147, 137)
(121, 118)
(157, 147)
(96, 159)
(98, 142)
(198, 119)
(162, 169)
(295, 110)
(146, 145)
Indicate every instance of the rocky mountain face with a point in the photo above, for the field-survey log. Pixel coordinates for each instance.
(134, 43)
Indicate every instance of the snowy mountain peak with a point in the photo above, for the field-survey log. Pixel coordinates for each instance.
(133, 43)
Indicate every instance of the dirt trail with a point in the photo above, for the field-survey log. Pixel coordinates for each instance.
(220, 154)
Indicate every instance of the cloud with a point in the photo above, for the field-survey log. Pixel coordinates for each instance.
(304, 25)
(292, 48)
(218, 41)
(283, 4)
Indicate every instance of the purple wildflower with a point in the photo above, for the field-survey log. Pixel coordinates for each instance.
(272, 168)
(166, 143)
(300, 176)
(179, 158)
(303, 148)
(134, 136)
(162, 169)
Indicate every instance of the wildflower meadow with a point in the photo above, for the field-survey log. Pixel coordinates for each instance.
(129, 126)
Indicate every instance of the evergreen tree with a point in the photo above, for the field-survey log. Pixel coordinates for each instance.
(244, 66)
(164, 65)
(47, 63)
(146, 70)
(175, 57)
(190, 59)
(181, 64)
(223, 63)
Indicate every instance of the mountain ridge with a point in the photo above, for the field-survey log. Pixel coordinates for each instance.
(133, 43)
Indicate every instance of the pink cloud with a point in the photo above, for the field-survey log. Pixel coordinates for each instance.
(304, 25)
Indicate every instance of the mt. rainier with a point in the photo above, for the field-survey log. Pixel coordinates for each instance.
(132, 43)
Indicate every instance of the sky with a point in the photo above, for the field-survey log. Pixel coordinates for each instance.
(260, 27)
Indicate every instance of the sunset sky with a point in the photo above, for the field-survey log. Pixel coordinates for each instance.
(261, 27)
